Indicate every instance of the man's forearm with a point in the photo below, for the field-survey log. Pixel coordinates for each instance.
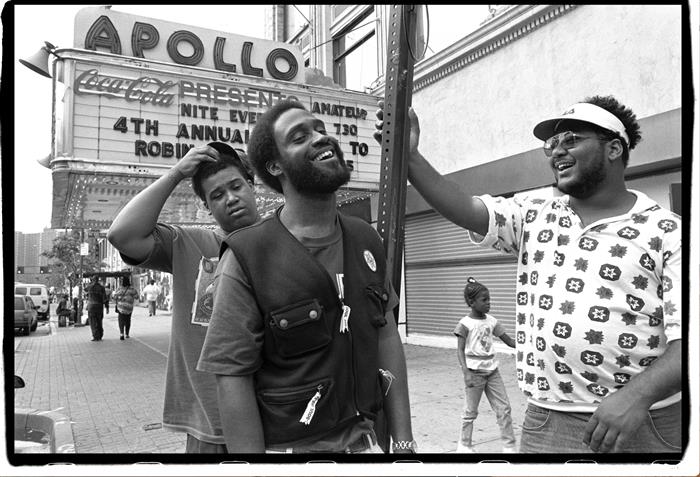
(446, 196)
(240, 417)
(660, 380)
(136, 221)
(396, 399)
(620, 414)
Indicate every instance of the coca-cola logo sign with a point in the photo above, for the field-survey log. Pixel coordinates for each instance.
(145, 89)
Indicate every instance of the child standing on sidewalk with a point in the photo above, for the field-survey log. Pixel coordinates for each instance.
(475, 334)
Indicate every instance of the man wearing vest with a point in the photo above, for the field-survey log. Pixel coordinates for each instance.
(302, 337)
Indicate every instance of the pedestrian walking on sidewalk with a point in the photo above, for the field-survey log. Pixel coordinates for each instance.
(108, 292)
(124, 307)
(476, 357)
(96, 298)
(151, 291)
(223, 181)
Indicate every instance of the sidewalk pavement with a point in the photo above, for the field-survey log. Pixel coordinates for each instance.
(112, 390)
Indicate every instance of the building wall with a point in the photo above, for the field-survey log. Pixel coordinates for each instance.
(28, 250)
(657, 187)
(487, 110)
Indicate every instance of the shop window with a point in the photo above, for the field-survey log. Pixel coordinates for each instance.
(355, 54)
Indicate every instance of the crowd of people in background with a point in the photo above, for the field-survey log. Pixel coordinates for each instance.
(99, 291)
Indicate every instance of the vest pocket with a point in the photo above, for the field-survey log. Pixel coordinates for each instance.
(379, 299)
(293, 413)
(299, 328)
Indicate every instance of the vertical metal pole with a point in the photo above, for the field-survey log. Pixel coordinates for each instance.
(395, 137)
(398, 87)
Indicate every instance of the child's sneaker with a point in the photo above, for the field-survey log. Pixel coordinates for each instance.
(509, 450)
(462, 449)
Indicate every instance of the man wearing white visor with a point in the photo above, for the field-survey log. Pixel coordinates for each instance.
(598, 302)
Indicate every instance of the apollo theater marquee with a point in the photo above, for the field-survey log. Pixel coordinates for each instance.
(134, 94)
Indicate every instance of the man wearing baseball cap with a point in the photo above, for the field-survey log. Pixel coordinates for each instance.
(598, 302)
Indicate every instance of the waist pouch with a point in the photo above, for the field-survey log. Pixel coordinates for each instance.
(299, 412)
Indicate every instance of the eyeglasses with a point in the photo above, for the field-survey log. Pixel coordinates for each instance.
(566, 140)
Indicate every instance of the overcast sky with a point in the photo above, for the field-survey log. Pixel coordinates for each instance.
(35, 24)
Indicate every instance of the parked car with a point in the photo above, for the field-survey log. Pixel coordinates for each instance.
(39, 294)
(25, 314)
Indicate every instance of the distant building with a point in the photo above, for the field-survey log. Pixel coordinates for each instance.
(30, 265)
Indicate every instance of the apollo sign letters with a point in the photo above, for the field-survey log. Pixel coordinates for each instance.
(109, 31)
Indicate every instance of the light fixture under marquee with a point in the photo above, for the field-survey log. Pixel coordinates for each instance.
(39, 61)
(45, 161)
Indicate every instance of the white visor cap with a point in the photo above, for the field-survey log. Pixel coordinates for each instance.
(586, 112)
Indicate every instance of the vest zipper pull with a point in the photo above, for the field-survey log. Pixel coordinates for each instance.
(388, 378)
(344, 319)
(311, 407)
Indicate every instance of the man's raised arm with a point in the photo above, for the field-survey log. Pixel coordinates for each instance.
(445, 196)
(132, 230)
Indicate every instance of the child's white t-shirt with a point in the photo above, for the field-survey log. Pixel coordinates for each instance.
(478, 350)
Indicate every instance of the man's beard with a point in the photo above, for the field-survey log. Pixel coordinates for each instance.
(307, 178)
(587, 183)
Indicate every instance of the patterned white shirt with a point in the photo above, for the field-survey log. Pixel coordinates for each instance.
(595, 305)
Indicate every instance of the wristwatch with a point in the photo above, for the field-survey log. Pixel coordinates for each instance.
(410, 446)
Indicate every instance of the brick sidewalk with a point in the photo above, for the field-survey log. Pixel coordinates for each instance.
(113, 390)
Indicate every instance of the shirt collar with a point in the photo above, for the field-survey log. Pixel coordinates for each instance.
(642, 204)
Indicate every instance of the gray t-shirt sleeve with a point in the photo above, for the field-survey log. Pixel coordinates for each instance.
(234, 340)
(161, 255)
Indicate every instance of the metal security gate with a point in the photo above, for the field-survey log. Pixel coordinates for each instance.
(439, 257)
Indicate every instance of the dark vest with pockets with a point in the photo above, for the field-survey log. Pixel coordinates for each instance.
(314, 378)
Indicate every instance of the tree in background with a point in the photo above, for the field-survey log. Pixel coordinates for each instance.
(64, 257)
(56, 280)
